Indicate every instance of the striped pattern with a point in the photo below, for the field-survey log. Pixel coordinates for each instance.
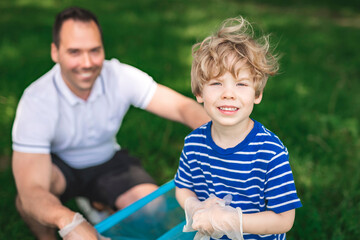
(256, 172)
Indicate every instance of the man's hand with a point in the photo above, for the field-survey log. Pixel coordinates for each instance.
(80, 229)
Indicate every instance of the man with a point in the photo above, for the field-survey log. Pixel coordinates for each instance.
(66, 122)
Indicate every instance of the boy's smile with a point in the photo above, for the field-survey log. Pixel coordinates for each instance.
(230, 101)
(228, 109)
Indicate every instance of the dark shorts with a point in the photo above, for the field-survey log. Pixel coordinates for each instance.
(105, 182)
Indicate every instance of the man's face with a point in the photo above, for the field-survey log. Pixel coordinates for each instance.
(80, 55)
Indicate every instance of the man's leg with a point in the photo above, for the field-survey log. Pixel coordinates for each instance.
(122, 181)
(42, 232)
(94, 212)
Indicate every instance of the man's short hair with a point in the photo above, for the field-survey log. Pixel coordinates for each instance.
(76, 14)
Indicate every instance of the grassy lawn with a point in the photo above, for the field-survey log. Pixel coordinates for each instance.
(313, 105)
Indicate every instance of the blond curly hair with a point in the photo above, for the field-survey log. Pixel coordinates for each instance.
(227, 50)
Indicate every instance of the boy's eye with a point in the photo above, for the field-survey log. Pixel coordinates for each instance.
(215, 84)
(243, 83)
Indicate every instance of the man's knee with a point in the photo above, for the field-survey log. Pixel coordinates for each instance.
(134, 194)
(21, 208)
(19, 205)
(58, 181)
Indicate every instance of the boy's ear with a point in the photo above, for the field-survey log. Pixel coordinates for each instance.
(54, 53)
(259, 98)
(199, 99)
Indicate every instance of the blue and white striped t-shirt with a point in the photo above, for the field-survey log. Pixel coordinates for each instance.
(256, 172)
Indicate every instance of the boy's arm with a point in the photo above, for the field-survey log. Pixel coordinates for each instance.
(182, 194)
(268, 222)
(228, 220)
(190, 203)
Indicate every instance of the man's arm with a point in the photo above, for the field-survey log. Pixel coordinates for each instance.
(172, 105)
(33, 175)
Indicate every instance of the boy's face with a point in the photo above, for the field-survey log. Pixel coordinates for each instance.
(230, 101)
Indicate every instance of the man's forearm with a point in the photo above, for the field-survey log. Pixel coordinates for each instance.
(46, 208)
(172, 105)
(33, 175)
(193, 114)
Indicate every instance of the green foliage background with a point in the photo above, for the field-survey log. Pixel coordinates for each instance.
(313, 105)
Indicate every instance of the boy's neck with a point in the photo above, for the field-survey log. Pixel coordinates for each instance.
(230, 136)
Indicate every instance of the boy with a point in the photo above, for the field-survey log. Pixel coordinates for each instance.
(234, 179)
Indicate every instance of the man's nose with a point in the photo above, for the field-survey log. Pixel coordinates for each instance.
(86, 60)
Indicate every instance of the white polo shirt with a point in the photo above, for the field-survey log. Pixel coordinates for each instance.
(51, 119)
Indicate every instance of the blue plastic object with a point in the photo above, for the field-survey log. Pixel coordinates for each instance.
(156, 216)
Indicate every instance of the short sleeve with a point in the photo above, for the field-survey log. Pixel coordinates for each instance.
(33, 126)
(136, 86)
(183, 176)
(280, 191)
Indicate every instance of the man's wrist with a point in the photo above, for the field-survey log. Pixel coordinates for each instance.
(65, 219)
(77, 220)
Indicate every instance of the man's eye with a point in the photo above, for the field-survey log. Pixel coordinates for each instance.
(96, 50)
(74, 52)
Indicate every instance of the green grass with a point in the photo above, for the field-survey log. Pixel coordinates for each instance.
(313, 105)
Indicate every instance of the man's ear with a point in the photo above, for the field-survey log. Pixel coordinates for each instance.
(199, 99)
(54, 53)
(259, 98)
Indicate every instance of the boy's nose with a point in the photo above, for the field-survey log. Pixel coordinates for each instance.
(228, 93)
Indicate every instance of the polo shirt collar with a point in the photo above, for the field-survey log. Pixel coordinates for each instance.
(96, 91)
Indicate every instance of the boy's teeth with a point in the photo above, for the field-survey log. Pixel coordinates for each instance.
(228, 108)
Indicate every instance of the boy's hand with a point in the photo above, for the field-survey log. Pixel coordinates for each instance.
(192, 205)
(219, 220)
(204, 219)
